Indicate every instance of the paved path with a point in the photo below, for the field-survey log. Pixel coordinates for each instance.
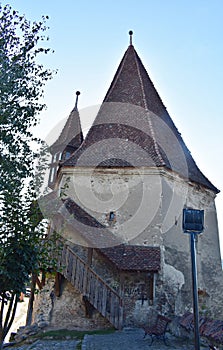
(132, 339)
(128, 339)
(47, 345)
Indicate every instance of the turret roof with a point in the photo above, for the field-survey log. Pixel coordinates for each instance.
(71, 134)
(133, 128)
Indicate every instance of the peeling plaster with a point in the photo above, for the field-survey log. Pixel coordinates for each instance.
(173, 277)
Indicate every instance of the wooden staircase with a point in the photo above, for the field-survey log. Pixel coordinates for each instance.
(104, 298)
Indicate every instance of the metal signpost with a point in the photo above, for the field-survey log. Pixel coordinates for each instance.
(193, 223)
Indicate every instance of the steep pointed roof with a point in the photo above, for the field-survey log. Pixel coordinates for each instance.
(133, 128)
(131, 84)
(71, 134)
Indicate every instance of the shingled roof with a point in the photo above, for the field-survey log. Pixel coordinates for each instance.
(75, 223)
(133, 128)
(85, 229)
(71, 135)
(133, 257)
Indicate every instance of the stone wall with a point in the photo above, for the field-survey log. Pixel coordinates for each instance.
(148, 204)
(43, 304)
(67, 311)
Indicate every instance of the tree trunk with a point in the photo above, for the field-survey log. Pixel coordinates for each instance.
(1, 319)
(9, 318)
(31, 301)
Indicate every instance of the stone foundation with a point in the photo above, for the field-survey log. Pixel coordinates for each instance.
(69, 311)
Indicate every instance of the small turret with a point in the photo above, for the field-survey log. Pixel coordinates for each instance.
(70, 139)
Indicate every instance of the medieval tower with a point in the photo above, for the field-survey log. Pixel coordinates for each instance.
(126, 185)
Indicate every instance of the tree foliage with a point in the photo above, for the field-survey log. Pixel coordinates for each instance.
(22, 80)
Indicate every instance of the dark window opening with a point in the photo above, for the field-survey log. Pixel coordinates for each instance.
(111, 216)
(67, 154)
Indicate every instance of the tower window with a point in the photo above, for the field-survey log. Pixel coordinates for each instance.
(52, 173)
(54, 158)
(111, 216)
(67, 154)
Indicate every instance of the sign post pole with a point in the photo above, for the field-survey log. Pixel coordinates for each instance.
(195, 289)
(193, 223)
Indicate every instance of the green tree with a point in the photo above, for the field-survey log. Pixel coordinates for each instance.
(22, 79)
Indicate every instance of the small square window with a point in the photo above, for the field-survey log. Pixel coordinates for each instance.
(67, 155)
(111, 216)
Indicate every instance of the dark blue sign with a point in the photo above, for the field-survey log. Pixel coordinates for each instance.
(193, 220)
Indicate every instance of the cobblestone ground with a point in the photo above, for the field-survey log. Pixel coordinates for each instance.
(128, 339)
(48, 345)
(132, 339)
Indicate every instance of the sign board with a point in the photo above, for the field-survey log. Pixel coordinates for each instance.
(193, 220)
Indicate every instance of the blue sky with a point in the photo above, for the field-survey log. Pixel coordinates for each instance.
(180, 44)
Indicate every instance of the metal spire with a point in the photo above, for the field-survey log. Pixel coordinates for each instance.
(130, 33)
(77, 94)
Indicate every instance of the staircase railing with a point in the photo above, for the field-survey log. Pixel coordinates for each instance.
(104, 298)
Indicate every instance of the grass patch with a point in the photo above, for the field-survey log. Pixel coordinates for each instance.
(62, 334)
(73, 334)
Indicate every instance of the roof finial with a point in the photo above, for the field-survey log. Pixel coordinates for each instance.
(77, 94)
(130, 33)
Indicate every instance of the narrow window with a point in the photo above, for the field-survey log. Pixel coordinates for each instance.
(52, 173)
(54, 158)
(67, 154)
(111, 216)
(59, 155)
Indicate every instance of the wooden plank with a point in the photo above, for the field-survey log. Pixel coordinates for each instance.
(85, 280)
(122, 284)
(116, 313)
(67, 262)
(96, 292)
(92, 294)
(81, 279)
(92, 289)
(112, 313)
(94, 273)
(63, 259)
(63, 252)
(100, 296)
(67, 265)
(104, 300)
(121, 313)
(88, 283)
(74, 268)
(69, 270)
(77, 276)
(89, 256)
